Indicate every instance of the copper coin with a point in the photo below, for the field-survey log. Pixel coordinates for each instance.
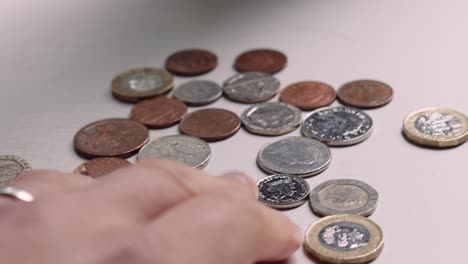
(100, 166)
(115, 137)
(211, 124)
(365, 94)
(261, 60)
(308, 95)
(159, 112)
(191, 62)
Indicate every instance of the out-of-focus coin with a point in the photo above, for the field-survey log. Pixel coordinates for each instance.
(436, 127)
(261, 60)
(141, 83)
(297, 156)
(251, 87)
(365, 94)
(191, 62)
(344, 239)
(198, 92)
(338, 126)
(192, 151)
(211, 124)
(115, 137)
(283, 191)
(11, 166)
(343, 196)
(271, 118)
(101, 166)
(159, 112)
(308, 95)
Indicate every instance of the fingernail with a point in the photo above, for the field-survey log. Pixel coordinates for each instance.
(298, 235)
(243, 179)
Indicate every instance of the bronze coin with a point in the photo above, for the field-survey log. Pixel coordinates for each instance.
(101, 166)
(158, 112)
(365, 94)
(308, 95)
(191, 62)
(211, 124)
(261, 60)
(115, 137)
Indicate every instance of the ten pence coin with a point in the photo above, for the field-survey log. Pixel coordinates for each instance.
(11, 167)
(365, 94)
(308, 95)
(101, 166)
(159, 112)
(191, 62)
(261, 60)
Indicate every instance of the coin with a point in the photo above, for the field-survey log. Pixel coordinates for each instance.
(191, 62)
(338, 126)
(308, 95)
(141, 83)
(115, 137)
(344, 239)
(101, 166)
(11, 166)
(271, 118)
(297, 156)
(343, 196)
(261, 60)
(211, 124)
(159, 112)
(365, 94)
(199, 92)
(192, 151)
(436, 127)
(283, 191)
(251, 87)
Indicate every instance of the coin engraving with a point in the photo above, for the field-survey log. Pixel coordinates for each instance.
(271, 118)
(142, 81)
(438, 124)
(343, 197)
(283, 191)
(344, 236)
(11, 167)
(251, 87)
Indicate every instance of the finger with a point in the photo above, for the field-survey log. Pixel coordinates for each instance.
(243, 179)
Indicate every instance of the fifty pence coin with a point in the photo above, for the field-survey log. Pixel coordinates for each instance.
(101, 166)
(251, 87)
(344, 239)
(338, 126)
(365, 94)
(261, 60)
(191, 62)
(343, 196)
(159, 112)
(308, 95)
(11, 167)
(298, 156)
(271, 118)
(191, 151)
(283, 191)
(198, 92)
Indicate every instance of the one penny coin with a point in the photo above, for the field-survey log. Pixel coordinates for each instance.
(261, 60)
(365, 94)
(100, 166)
(115, 137)
(159, 112)
(191, 62)
(308, 95)
(211, 124)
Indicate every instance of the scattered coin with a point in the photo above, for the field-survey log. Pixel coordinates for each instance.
(261, 60)
(115, 137)
(192, 151)
(191, 62)
(11, 166)
(436, 127)
(283, 191)
(297, 156)
(159, 112)
(344, 239)
(101, 166)
(365, 94)
(308, 95)
(211, 124)
(343, 196)
(338, 126)
(198, 92)
(141, 83)
(251, 87)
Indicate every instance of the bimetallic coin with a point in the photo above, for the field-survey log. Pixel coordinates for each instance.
(436, 127)
(199, 92)
(343, 196)
(159, 112)
(308, 95)
(283, 191)
(251, 87)
(344, 239)
(261, 60)
(100, 166)
(338, 126)
(191, 62)
(365, 94)
(297, 156)
(11, 167)
(191, 151)
(271, 118)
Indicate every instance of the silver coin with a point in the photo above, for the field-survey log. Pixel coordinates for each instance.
(271, 118)
(192, 151)
(343, 196)
(251, 87)
(283, 191)
(11, 166)
(338, 126)
(199, 92)
(298, 156)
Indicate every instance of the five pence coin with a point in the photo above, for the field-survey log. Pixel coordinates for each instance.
(283, 191)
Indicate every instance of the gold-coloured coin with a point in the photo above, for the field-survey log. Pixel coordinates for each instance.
(436, 127)
(344, 239)
(141, 83)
